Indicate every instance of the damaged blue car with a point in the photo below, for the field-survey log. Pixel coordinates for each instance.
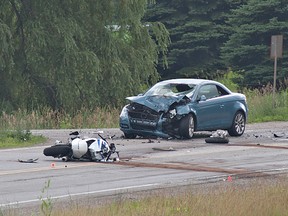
(179, 107)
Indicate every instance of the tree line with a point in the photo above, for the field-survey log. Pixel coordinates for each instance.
(89, 53)
(68, 55)
(211, 37)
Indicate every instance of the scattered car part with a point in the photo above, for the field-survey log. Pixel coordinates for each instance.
(219, 136)
(28, 161)
(164, 149)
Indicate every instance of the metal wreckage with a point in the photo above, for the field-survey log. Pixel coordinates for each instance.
(83, 149)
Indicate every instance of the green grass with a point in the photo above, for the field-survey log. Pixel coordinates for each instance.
(261, 197)
(47, 118)
(263, 107)
(19, 138)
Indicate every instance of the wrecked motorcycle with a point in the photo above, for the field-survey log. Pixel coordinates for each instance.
(83, 149)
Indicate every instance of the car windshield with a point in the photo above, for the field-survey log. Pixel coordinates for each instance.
(171, 89)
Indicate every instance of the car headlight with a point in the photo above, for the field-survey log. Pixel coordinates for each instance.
(124, 112)
(172, 113)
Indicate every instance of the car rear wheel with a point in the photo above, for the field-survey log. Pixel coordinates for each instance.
(238, 124)
(186, 127)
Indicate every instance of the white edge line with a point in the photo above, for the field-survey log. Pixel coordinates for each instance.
(77, 194)
(24, 148)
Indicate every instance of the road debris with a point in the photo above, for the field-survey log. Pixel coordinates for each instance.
(164, 149)
(219, 136)
(28, 161)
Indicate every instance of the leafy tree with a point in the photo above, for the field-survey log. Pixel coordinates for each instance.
(69, 54)
(248, 48)
(197, 31)
(6, 60)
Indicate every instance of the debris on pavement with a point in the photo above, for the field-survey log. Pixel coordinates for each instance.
(219, 136)
(163, 149)
(28, 161)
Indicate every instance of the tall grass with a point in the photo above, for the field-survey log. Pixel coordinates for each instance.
(47, 118)
(262, 107)
(261, 197)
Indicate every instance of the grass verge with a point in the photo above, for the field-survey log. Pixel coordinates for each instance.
(19, 138)
(263, 197)
(259, 198)
(46, 118)
(264, 107)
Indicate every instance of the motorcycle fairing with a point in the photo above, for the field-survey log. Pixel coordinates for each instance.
(99, 150)
(79, 147)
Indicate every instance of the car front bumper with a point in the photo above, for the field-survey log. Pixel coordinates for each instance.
(142, 127)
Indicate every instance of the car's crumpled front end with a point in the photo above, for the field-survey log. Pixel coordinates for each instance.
(152, 116)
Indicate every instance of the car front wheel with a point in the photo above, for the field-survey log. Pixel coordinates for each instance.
(186, 127)
(238, 124)
(130, 136)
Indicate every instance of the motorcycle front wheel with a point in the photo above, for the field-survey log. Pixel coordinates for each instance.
(57, 151)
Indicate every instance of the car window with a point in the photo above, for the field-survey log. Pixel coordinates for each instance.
(222, 91)
(171, 89)
(209, 91)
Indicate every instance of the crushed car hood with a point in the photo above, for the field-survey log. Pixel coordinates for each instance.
(156, 102)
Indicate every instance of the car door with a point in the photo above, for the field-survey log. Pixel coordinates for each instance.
(210, 109)
(227, 103)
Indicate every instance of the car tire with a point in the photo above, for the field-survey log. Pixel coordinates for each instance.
(217, 140)
(186, 127)
(238, 124)
(130, 136)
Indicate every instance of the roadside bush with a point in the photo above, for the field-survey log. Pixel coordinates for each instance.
(20, 135)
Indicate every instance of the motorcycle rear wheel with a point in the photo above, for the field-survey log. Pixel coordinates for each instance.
(57, 151)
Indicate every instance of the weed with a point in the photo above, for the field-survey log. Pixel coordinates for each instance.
(46, 201)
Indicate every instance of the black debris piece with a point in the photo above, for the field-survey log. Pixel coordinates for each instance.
(28, 161)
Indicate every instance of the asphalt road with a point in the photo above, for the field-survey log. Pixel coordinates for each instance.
(145, 164)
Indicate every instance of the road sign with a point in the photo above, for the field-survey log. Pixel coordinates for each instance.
(276, 46)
